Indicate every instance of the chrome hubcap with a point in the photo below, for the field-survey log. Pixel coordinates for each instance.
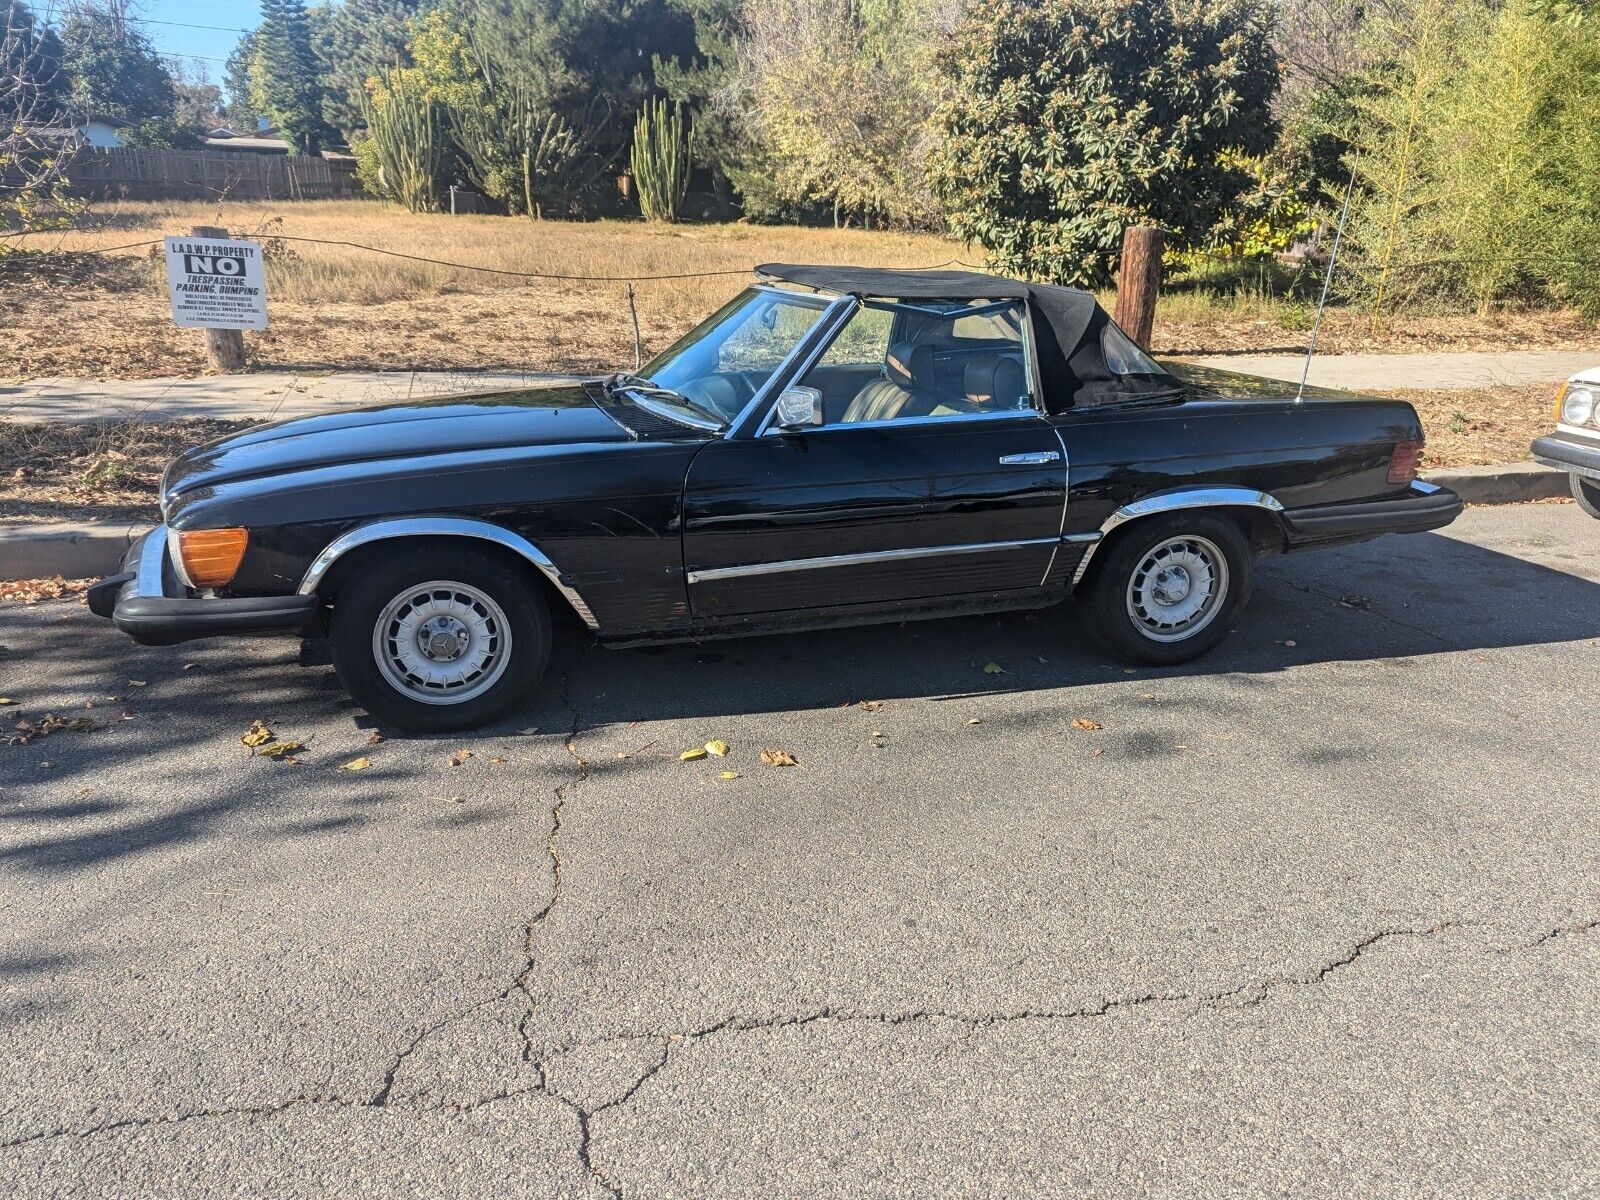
(1178, 588)
(441, 642)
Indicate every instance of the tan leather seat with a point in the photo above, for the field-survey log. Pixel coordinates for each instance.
(994, 381)
(897, 393)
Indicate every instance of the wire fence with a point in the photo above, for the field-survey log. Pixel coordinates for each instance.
(504, 271)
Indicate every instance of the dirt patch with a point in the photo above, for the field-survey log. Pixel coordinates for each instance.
(336, 306)
(95, 472)
(1479, 426)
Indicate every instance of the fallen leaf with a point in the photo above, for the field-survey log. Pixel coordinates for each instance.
(728, 775)
(1085, 723)
(375, 740)
(496, 759)
(993, 668)
(459, 757)
(257, 735)
(872, 705)
(693, 753)
(5, 700)
(356, 764)
(138, 683)
(279, 749)
(190, 666)
(719, 749)
(974, 721)
(779, 758)
(529, 731)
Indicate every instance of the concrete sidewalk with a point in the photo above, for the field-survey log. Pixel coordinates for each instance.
(267, 395)
(282, 394)
(1387, 372)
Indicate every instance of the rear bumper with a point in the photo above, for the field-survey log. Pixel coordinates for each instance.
(1427, 506)
(1579, 457)
(148, 602)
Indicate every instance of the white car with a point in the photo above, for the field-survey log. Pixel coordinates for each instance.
(1575, 445)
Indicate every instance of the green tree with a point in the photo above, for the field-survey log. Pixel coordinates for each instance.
(114, 70)
(696, 80)
(364, 38)
(239, 108)
(285, 76)
(834, 100)
(1072, 119)
(578, 58)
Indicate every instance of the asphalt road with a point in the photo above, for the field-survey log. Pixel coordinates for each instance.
(1317, 916)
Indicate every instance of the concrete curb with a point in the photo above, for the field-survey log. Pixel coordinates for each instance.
(38, 549)
(1502, 483)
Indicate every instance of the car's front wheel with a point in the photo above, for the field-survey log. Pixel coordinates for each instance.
(439, 639)
(1587, 493)
(1168, 588)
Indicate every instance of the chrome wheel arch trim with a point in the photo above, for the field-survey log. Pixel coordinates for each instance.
(1175, 501)
(409, 527)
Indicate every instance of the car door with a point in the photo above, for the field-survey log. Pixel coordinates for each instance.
(872, 513)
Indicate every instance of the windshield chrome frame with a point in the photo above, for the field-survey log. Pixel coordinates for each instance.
(838, 309)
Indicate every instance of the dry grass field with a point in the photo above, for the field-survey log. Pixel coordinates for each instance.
(339, 307)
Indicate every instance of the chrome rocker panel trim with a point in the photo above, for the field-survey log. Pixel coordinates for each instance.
(485, 531)
(851, 560)
(1165, 502)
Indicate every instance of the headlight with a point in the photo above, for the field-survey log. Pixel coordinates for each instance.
(1578, 405)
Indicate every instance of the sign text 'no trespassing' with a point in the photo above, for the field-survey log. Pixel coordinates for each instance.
(216, 284)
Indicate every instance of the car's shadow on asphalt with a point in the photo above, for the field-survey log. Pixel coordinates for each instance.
(1395, 598)
(71, 799)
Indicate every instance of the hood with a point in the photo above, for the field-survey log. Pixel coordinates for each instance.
(561, 414)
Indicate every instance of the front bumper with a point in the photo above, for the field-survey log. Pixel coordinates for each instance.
(1579, 456)
(149, 603)
(1426, 506)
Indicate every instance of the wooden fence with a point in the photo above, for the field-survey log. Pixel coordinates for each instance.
(136, 173)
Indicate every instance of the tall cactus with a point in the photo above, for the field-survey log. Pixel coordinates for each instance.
(661, 160)
(404, 127)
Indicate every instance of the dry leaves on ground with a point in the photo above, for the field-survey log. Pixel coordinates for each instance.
(1085, 724)
(779, 758)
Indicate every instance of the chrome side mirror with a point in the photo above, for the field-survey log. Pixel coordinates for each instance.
(799, 408)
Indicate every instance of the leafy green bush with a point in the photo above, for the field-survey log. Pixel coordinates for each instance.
(1072, 119)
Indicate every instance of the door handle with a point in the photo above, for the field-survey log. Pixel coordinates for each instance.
(1031, 459)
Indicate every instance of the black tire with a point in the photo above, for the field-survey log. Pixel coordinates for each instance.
(1587, 493)
(1110, 610)
(504, 682)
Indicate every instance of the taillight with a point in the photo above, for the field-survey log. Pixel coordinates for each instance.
(210, 557)
(1404, 461)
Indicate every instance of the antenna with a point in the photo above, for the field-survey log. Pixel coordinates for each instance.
(1327, 279)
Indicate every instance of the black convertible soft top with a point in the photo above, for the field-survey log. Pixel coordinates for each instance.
(1067, 323)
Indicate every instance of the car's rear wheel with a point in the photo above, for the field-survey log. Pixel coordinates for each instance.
(439, 639)
(1587, 493)
(1168, 588)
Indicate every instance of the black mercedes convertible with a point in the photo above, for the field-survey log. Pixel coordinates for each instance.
(834, 446)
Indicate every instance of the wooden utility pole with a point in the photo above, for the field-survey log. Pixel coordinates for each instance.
(224, 347)
(1139, 282)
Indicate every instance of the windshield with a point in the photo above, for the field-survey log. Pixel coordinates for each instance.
(719, 366)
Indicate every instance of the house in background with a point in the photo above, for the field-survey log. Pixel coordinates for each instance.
(263, 139)
(104, 132)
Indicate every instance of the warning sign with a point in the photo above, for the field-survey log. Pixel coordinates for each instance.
(216, 284)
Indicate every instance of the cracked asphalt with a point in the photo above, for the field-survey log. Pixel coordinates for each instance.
(1318, 915)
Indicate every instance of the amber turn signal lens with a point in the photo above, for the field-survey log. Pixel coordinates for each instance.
(211, 556)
